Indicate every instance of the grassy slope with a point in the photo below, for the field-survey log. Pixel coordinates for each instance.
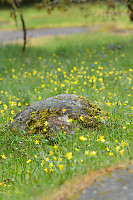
(74, 16)
(26, 168)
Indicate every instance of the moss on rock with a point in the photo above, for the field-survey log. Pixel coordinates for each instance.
(55, 112)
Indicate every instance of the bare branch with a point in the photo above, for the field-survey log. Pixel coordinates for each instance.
(17, 4)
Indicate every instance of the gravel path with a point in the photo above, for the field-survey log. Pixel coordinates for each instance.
(16, 35)
(117, 185)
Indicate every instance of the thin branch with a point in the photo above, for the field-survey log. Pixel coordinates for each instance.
(16, 3)
(129, 6)
(24, 32)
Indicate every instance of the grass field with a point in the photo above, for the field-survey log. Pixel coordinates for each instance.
(74, 16)
(94, 66)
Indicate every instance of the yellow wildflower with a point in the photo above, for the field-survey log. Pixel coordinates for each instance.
(70, 120)
(51, 165)
(63, 110)
(12, 112)
(123, 143)
(47, 159)
(46, 123)
(117, 148)
(81, 118)
(82, 138)
(43, 85)
(3, 156)
(11, 120)
(122, 151)
(110, 153)
(61, 167)
(42, 163)
(5, 107)
(54, 158)
(93, 153)
(101, 138)
(60, 159)
(107, 148)
(69, 155)
(51, 153)
(55, 147)
(124, 127)
(46, 170)
(28, 161)
(37, 142)
(86, 152)
(59, 69)
(19, 104)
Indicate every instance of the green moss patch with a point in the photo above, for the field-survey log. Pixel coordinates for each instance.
(65, 118)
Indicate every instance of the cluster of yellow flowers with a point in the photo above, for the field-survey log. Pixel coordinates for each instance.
(94, 78)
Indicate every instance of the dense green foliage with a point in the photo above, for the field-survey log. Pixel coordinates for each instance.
(95, 66)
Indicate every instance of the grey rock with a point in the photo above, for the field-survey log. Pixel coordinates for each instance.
(57, 111)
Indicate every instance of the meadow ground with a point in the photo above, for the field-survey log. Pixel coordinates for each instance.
(96, 66)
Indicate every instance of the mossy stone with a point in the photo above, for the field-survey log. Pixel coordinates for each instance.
(54, 113)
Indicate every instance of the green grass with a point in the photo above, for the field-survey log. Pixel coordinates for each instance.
(74, 16)
(79, 64)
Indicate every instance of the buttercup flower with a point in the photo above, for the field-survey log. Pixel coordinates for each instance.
(28, 161)
(81, 118)
(82, 138)
(37, 142)
(61, 167)
(3, 156)
(69, 155)
(101, 138)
